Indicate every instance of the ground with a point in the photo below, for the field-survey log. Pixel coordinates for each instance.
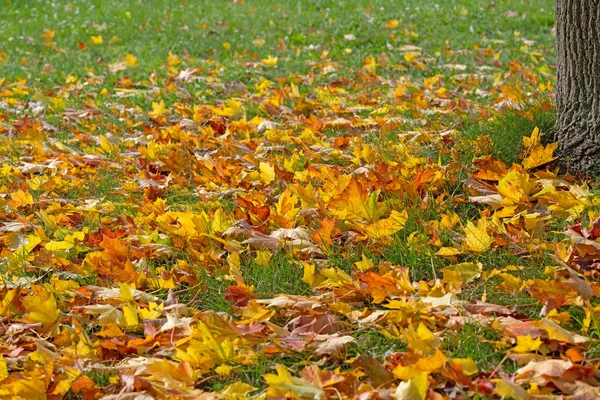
(324, 199)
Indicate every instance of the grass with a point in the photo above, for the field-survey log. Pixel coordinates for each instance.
(298, 32)
(373, 343)
(281, 274)
(478, 343)
(506, 129)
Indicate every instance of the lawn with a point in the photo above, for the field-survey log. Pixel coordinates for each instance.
(277, 199)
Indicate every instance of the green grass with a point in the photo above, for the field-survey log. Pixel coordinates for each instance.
(282, 274)
(506, 130)
(297, 32)
(373, 343)
(477, 342)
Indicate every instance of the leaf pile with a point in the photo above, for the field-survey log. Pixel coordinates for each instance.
(145, 236)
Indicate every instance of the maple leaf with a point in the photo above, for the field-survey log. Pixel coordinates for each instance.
(516, 187)
(131, 60)
(462, 273)
(421, 339)
(379, 375)
(526, 344)
(21, 199)
(415, 388)
(333, 344)
(467, 365)
(284, 384)
(41, 306)
(533, 140)
(267, 172)
(270, 61)
(392, 24)
(236, 391)
(365, 264)
(3, 369)
(509, 390)
(48, 34)
(541, 372)
(476, 237)
(388, 226)
(540, 155)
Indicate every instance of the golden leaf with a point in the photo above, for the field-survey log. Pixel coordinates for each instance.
(388, 226)
(526, 344)
(267, 172)
(21, 198)
(539, 155)
(509, 390)
(270, 61)
(392, 24)
(41, 306)
(415, 388)
(476, 237)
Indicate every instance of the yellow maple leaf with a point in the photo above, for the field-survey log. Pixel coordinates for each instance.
(335, 277)
(458, 274)
(448, 252)
(476, 237)
(270, 61)
(392, 24)
(6, 306)
(532, 140)
(130, 315)
(309, 275)
(406, 372)
(153, 311)
(48, 34)
(41, 306)
(263, 257)
(365, 264)
(232, 108)
(356, 204)
(58, 245)
(509, 390)
(34, 386)
(510, 283)
(267, 172)
(388, 226)
(415, 388)
(410, 57)
(432, 363)
(158, 109)
(557, 332)
(131, 60)
(236, 391)
(21, 198)
(285, 385)
(539, 155)
(96, 39)
(421, 339)
(516, 186)
(3, 369)
(196, 354)
(467, 365)
(126, 292)
(526, 344)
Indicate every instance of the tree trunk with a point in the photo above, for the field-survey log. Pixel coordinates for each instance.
(578, 85)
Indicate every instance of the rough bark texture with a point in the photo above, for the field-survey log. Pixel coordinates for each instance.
(578, 84)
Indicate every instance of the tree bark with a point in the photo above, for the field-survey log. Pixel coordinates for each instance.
(578, 85)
